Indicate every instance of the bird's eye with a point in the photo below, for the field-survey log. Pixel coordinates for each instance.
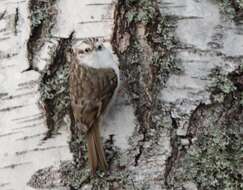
(80, 51)
(87, 50)
(99, 47)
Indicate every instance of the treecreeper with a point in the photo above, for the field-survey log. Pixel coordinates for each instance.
(93, 82)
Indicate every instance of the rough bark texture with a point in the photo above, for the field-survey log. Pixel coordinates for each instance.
(177, 121)
(203, 98)
(42, 17)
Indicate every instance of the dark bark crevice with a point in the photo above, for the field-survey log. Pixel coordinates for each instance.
(171, 160)
(16, 20)
(3, 14)
(144, 77)
(42, 16)
(238, 9)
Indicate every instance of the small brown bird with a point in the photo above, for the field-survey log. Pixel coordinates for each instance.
(94, 78)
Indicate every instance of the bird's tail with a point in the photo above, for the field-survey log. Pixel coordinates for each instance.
(96, 153)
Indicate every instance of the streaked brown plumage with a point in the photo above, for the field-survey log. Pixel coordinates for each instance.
(91, 90)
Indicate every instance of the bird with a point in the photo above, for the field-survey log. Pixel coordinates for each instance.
(93, 84)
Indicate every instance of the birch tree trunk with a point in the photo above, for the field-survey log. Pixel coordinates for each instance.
(177, 120)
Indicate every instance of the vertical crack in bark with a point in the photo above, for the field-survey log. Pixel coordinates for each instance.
(16, 20)
(143, 63)
(170, 162)
(42, 16)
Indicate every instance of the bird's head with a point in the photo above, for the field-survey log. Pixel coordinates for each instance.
(92, 52)
(84, 50)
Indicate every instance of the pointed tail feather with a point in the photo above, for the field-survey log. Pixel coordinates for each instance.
(96, 153)
(92, 157)
(100, 150)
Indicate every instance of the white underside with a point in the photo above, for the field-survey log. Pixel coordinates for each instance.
(101, 59)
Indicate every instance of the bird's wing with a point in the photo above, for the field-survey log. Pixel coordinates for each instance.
(91, 91)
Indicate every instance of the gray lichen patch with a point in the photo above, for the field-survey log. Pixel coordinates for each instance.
(213, 159)
(40, 11)
(233, 8)
(78, 174)
(81, 179)
(54, 88)
(68, 176)
(45, 178)
(221, 86)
